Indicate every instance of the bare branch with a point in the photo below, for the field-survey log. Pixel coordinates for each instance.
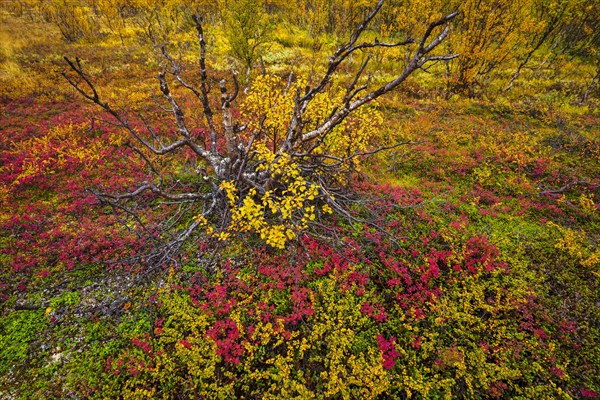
(350, 89)
(417, 62)
(204, 88)
(230, 138)
(564, 188)
(177, 112)
(79, 71)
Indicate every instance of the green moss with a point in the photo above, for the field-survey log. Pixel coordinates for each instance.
(65, 299)
(17, 331)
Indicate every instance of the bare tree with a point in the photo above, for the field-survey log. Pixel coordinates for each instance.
(236, 162)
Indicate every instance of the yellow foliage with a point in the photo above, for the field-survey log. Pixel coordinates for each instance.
(570, 242)
(199, 359)
(335, 323)
(278, 214)
(587, 203)
(346, 374)
(482, 174)
(593, 260)
(411, 17)
(270, 106)
(489, 33)
(63, 142)
(574, 244)
(463, 312)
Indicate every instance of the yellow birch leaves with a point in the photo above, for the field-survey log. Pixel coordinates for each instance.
(277, 214)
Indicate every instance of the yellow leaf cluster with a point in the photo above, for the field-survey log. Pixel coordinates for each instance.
(279, 213)
(270, 107)
(587, 203)
(574, 244)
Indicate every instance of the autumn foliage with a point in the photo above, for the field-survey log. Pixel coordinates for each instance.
(441, 241)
